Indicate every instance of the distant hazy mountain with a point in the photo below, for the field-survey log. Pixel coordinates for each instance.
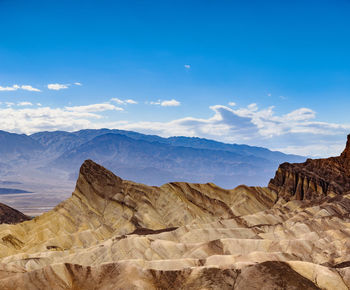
(143, 158)
(15, 146)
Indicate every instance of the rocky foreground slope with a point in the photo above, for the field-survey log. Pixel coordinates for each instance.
(117, 234)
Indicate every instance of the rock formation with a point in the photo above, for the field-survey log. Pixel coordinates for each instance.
(314, 179)
(117, 234)
(9, 215)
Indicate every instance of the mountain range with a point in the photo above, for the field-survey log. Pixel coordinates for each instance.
(144, 158)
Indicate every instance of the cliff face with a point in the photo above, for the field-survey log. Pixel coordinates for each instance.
(313, 179)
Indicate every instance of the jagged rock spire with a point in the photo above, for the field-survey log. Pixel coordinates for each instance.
(94, 179)
(346, 152)
(315, 178)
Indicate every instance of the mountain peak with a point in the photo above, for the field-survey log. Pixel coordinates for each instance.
(346, 152)
(94, 179)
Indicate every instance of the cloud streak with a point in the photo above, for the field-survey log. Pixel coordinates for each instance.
(57, 87)
(166, 103)
(170, 103)
(124, 102)
(34, 119)
(17, 87)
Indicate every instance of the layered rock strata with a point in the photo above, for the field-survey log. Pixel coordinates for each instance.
(313, 179)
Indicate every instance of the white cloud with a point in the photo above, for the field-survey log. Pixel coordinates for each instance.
(17, 87)
(118, 101)
(22, 104)
(57, 87)
(154, 102)
(130, 101)
(232, 104)
(253, 107)
(34, 119)
(78, 84)
(170, 103)
(123, 102)
(29, 88)
(187, 66)
(13, 88)
(165, 103)
(94, 108)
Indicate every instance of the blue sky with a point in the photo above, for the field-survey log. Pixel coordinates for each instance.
(211, 69)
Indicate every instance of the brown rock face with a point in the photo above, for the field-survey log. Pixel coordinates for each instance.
(313, 179)
(9, 215)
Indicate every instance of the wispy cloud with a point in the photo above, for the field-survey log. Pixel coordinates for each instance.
(78, 84)
(17, 87)
(165, 103)
(94, 108)
(13, 88)
(57, 87)
(170, 103)
(30, 88)
(187, 66)
(124, 102)
(38, 118)
(22, 104)
(154, 102)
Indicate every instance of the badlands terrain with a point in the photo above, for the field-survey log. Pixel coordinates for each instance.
(118, 234)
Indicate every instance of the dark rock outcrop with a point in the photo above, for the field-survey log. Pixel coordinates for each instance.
(9, 215)
(313, 179)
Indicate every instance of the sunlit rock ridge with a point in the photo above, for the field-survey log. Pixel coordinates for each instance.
(117, 234)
